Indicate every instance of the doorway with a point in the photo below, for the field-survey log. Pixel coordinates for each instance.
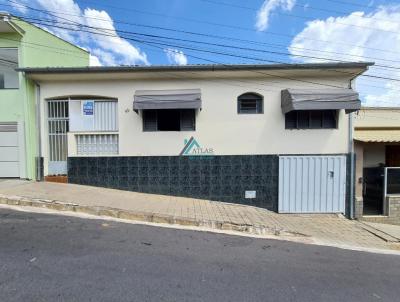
(58, 127)
(373, 191)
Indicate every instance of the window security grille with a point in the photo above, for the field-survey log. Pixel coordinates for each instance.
(169, 120)
(187, 120)
(149, 120)
(97, 144)
(105, 115)
(58, 126)
(311, 119)
(250, 103)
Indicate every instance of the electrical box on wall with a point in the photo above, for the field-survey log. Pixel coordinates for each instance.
(249, 194)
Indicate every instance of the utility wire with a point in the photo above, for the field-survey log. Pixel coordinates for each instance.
(196, 21)
(204, 50)
(219, 44)
(378, 77)
(258, 72)
(230, 38)
(219, 63)
(253, 83)
(280, 87)
(306, 7)
(212, 61)
(233, 38)
(46, 47)
(260, 43)
(352, 4)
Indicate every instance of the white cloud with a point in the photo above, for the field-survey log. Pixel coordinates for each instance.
(358, 37)
(263, 14)
(62, 11)
(176, 56)
(124, 52)
(107, 58)
(105, 43)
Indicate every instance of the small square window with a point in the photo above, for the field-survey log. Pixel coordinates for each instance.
(250, 103)
(8, 63)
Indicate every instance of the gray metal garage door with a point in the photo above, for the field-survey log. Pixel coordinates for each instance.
(312, 184)
(9, 150)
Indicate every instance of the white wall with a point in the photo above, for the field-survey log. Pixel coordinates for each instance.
(218, 125)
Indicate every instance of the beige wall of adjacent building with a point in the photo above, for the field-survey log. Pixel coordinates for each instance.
(373, 117)
(218, 125)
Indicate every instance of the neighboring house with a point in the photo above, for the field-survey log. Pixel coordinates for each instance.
(377, 148)
(24, 45)
(274, 136)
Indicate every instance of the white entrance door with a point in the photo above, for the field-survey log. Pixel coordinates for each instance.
(9, 150)
(312, 184)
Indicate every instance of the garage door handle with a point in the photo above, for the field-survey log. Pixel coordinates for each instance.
(331, 173)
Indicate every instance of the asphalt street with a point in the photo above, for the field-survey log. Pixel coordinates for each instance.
(58, 258)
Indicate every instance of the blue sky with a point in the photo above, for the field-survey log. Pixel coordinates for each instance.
(256, 31)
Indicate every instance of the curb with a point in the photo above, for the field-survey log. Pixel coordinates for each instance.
(380, 234)
(144, 216)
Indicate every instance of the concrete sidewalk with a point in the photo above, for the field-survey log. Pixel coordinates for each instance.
(334, 230)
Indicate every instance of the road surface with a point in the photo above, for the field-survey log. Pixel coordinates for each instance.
(58, 258)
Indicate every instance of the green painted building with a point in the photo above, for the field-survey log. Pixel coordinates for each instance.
(25, 45)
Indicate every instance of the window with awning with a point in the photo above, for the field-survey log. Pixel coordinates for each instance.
(167, 99)
(168, 110)
(319, 99)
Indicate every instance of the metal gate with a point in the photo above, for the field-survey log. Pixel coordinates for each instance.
(58, 126)
(312, 184)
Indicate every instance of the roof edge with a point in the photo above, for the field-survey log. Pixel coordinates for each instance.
(205, 67)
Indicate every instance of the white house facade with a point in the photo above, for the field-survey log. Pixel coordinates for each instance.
(274, 136)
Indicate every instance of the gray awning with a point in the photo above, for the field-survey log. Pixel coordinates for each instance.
(321, 99)
(167, 99)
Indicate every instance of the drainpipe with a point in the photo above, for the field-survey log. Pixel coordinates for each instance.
(351, 151)
(39, 158)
